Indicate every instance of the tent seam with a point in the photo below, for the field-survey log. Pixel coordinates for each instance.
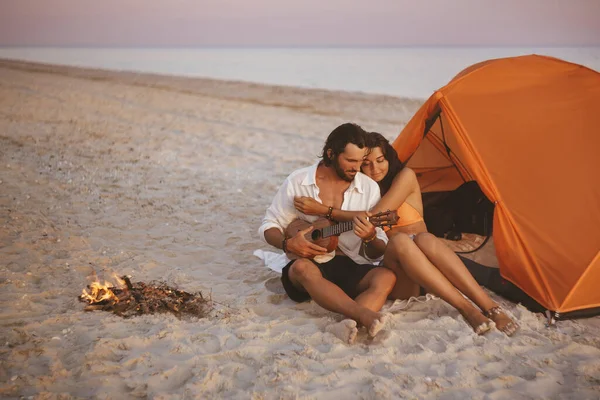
(581, 277)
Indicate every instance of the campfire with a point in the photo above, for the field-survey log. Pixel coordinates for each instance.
(128, 299)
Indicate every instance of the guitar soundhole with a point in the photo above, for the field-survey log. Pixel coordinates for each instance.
(316, 234)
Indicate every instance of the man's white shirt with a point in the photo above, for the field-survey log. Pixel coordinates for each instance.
(362, 194)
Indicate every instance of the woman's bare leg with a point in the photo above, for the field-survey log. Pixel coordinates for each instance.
(405, 258)
(448, 263)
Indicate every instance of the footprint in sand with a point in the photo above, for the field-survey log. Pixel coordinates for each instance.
(274, 285)
(276, 298)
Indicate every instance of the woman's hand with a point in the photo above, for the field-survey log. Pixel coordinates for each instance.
(363, 228)
(310, 206)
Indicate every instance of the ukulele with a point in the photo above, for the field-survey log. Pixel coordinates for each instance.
(325, 233)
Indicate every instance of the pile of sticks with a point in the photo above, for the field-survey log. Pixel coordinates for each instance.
(155, 297)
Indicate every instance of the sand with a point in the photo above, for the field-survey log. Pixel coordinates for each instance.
(165, 178)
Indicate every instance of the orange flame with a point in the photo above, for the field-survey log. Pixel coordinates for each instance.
(101, 292)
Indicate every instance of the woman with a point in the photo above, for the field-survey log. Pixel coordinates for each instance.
(418, 258)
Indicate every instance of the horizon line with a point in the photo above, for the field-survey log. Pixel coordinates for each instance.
(322, 46)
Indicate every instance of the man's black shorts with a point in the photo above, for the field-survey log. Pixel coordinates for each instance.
(341, 270)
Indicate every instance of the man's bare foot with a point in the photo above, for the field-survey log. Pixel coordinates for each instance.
(479, 322)
(503, 322)
(345, 330)
(373, 321)
(378, 324)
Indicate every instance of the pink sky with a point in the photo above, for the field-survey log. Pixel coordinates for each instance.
(299, 22)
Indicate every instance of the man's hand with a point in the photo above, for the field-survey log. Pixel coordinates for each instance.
(373, 246)
(363, 228)
(300, 246)
(310, 206)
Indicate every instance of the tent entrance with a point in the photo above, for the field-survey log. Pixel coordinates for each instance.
(453, 201)
(463, 210)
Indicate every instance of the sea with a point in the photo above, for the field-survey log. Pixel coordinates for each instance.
(409, 72)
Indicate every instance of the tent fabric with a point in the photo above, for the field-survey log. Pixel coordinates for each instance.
(525, 129)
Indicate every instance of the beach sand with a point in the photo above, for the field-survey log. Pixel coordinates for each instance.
(166, 178)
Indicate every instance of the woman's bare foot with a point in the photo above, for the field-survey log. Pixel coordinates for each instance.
(345, 330)
(479, 322)
(503, 322)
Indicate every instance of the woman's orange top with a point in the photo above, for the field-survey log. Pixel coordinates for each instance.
(407, 215)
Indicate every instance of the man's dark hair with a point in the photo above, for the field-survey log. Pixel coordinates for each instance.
(375, 139)
(340, 137)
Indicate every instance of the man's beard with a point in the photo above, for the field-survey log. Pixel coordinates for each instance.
(340, 172)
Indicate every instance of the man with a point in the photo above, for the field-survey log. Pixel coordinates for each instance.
(346, 280)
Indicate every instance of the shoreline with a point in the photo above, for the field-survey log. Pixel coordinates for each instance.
(140, 77)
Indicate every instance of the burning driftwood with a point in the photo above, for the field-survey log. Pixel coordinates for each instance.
(139, 298)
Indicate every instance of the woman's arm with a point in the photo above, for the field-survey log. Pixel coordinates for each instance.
(310, 206)
(403, 185)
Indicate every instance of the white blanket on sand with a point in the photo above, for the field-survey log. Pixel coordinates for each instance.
(272, 260)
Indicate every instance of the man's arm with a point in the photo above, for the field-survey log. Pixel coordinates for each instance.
(373, 245)
(278, 216)
(274, 237)
(375, 248)
(374, 240)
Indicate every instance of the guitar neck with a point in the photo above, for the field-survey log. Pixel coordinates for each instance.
(337, 229)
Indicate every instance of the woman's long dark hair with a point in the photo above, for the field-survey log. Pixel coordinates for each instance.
(375, 139)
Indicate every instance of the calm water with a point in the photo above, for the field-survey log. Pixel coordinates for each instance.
(404, 72)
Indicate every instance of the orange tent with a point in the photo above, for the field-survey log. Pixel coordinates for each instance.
(525, 128)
